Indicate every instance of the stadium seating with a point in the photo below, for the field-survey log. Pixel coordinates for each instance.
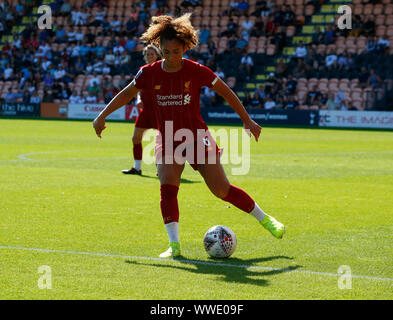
(265, 48)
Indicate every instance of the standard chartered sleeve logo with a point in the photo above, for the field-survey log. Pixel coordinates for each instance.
(187, 99)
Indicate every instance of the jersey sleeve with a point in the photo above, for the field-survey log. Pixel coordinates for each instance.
(140, 78)
(207, 78)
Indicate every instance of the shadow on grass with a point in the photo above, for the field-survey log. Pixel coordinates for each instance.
(229, 270)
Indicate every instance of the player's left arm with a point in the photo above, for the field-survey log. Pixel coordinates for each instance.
(222, 89)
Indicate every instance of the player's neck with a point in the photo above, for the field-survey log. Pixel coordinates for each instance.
(171, 68)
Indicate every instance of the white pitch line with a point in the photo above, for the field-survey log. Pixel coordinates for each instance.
(25, 157)
(193, 262)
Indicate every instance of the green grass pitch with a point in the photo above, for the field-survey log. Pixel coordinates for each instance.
(62, 190)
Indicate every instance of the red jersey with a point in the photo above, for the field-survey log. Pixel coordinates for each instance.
(175, 95)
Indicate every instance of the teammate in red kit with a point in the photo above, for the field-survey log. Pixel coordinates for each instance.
(175, 84)
(146, 119)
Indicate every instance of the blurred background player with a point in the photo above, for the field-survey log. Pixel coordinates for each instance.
(146, 119)
(176, 85)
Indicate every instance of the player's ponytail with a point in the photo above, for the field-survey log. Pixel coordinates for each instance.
(167, 28)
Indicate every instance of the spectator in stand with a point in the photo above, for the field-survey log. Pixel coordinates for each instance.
(115, 24)
(94, 80)
(48, 80)
(363, 78)
(383, 45)
(220, 73)
(301, 51)
(91, 98)
(343, 61)
(211, 45)
(61, 36)
(190, 3)
(232, 28)
(289, 16)
(281, 68)
(247, 24)
(56, 90)
(267, 9)
(279, 16)
(374, 81)
(270, 26)
(291, 103)
(208, 97)
(48, 96)
(247, 64)
(259, 28)
(71, 35)
(280, 101)
(314, 96)
(357, 25)
(83, 98)
(74, 97)
(269, 103)
(99, 18)
(330, 35)
(1, 29)
(271, 84)
(247, 99)
(256, 101)
(124, 60)
(331, 59)
(318, 36)
(123, 81)
(118, 48)
(339, 99)
(291, 85)
(204, 34)
(65, 9)
(35, 98)
(26, 97)
(131, 44)
(131, 25)
(258, 8)
(242, 7)
(371, 44)
(59, 73)
(9, 73)
(280, 38)
(10, 96)
(369, 27)
(261, 92)
(244, 35)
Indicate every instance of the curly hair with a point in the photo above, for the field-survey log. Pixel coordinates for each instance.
(167, 28)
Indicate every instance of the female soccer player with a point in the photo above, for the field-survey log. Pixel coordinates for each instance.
(146, 119)
(175, 84)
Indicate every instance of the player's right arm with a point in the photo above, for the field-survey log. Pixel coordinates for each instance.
(121, 99)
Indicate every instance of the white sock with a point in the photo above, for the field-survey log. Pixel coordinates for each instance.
(172, 229)
(138, 164)
(258, 213)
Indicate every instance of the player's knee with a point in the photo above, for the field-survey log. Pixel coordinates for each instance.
(221, 191)
(136, 139)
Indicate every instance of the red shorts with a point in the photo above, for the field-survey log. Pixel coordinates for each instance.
(146, 120)
(204, 150)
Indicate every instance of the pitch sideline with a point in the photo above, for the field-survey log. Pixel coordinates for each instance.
(193, 262)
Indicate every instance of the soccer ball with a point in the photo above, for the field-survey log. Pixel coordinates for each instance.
(220, 242)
